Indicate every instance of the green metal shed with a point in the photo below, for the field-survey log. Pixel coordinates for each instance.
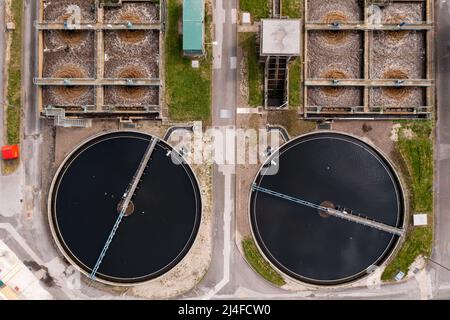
(193, 27)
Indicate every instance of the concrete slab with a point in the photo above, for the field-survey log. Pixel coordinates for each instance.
(420, 219)
(246, 19)
(281, 37)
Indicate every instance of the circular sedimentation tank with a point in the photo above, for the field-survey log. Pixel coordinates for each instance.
(159, 226)
(335, 171)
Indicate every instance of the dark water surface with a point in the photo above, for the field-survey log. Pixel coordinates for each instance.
(327, 250)
(149, 242)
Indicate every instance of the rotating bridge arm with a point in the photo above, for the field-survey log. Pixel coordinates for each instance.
(333, 212)
(126, 202)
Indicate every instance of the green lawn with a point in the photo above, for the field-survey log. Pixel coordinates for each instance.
(292, 8)
(188, 90)
(255, 70)
(15, 80)
(260, 264)
(258, 8)
(295, 83)
(418, 242)
(417, 152)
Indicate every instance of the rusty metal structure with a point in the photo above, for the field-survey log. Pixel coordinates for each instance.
(368, 59)
(99, 58)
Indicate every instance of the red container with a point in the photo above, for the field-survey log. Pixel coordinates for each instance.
(10, 152)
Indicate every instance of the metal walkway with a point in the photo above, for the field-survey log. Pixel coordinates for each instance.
(317, 26)
(67, 82)
(59, 115)
(126, 201)
(336, 213)
(397, 83)
(98, 26)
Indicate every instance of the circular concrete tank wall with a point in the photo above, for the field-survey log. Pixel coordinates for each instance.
(159, 226)
(331, 170)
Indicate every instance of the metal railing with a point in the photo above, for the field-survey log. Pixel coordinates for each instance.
(59, 115)
(334, 212)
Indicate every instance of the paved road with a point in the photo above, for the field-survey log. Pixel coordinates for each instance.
(441, 252)
(223, 115)
(228, 274)
(31, 131)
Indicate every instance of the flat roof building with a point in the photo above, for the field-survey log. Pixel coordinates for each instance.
(193, 27)
(281, 37)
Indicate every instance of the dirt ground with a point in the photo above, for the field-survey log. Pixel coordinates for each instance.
(242, 92)
(376, 133)
(245, 175)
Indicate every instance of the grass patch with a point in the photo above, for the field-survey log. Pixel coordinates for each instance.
(294, 83)
(289, 119)
(258, 9)
(14, 107)
(415, 146)
(188, 90)
(255, 70)
(10, 166)
(418, 242)
(292, 8)
(260, 264)
(418, 154)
